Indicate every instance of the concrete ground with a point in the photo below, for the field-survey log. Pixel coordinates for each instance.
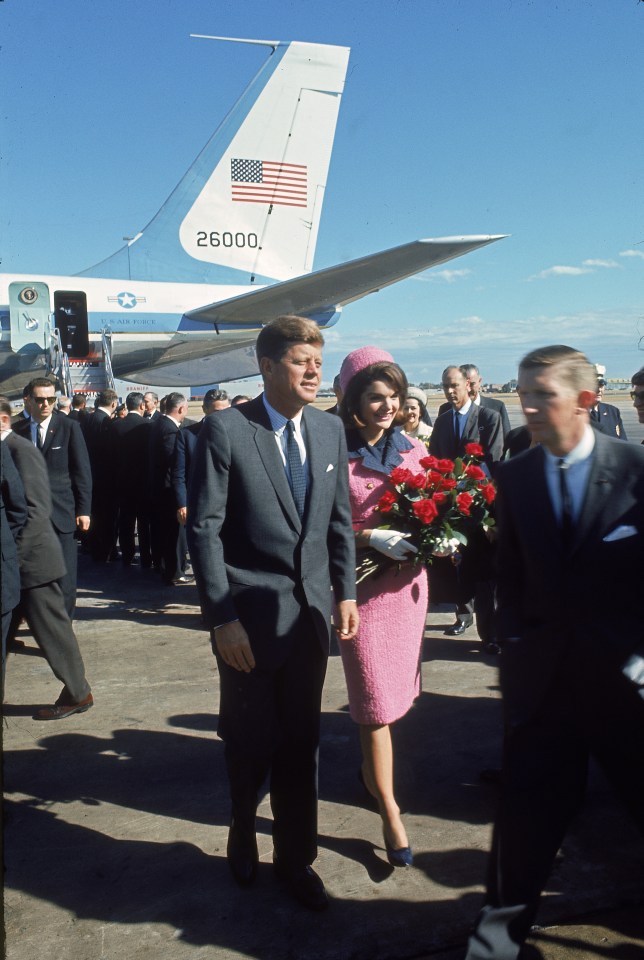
(116, 819)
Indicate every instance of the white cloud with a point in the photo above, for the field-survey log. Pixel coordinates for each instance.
(448, 276)
(607, 264)
(632, 253)
(560, 271)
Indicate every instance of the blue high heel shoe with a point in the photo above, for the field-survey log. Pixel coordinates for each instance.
(399, 858)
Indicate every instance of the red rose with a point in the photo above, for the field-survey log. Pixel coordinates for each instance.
(387, 501)
(464, 501)
(434, 478)
(400, 475)
(475, 472)
(439, 497)
(448, 483)
(425, 510)
(417, 481)
(474, 450)
(489, 492)
(428, 463)
(445, 466)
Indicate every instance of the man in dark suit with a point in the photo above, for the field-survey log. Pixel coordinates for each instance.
(129, 443)
(604, 416)
(166, 531)
(184, 448)
(461, 423)
(98, 437)
(474, 383)
(78, 411)
(13, 516)
(572, 660)
(41, 566)
(270, 532)
(61, 442)
(151, 400)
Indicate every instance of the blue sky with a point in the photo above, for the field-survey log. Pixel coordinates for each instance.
(459, 117)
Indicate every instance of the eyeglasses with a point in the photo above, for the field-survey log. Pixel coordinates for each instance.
(637, 396)
(49, 400)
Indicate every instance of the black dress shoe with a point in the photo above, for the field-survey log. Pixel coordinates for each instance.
(242, 854)
(458, 629)
(304, 885)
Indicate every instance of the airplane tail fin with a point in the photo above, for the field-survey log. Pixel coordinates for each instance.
(248, 210)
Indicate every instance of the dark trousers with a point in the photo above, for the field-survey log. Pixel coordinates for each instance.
(595, 713)
(269, 720)
(68, 582)
(43, 607)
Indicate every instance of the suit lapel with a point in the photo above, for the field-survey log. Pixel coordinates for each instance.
(270, 456)
(597, 513)
(49, 436)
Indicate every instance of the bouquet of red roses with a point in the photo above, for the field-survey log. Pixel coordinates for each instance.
(436, 508)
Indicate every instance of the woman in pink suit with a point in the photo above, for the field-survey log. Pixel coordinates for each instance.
(382, 663)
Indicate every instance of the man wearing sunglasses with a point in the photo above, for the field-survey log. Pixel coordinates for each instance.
(61, 442)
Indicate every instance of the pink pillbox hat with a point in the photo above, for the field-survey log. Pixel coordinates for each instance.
(358, 359)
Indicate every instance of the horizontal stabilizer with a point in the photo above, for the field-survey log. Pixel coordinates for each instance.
(325, 290)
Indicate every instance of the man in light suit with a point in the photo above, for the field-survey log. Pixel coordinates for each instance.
(269, 528)
(572, 656)
(61, 443)
(461, 423)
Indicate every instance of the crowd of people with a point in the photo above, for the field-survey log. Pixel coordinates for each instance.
(274, 501)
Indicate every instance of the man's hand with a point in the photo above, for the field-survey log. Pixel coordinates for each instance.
(233, 646)
(82, 523)
(349, 619)
(182, 514)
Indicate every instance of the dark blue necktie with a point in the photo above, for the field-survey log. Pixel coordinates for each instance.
(566, 504)
(295, 468)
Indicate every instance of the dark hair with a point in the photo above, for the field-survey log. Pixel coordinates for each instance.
(240, 398)
(211, 396)
(5, 406)
(134, 400)
(106, 397)
(638, 378)
(38, 382)
(277, 336)
(574, 368)
(172, 401)
(386, 371)
(78, 401)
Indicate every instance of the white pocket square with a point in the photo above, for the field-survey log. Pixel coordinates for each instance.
(57, 448)
(330, 467)
(620, 533)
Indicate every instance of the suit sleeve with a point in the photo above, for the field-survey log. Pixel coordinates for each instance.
(491, 437)
(179, 481)
(80, 471)
(207, 500)
(509, 564)
(341, 539)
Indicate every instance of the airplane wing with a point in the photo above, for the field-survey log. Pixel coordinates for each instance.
(332, 287)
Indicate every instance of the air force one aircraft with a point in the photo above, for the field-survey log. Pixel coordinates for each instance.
(231, 249)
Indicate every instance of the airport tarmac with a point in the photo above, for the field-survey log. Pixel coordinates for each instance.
(116, 819)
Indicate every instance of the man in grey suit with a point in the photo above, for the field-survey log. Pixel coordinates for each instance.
(41, 565)
(572, 659)
(269, 530)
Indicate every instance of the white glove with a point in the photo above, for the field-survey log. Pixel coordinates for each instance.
(446, 548)
(392, 543)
